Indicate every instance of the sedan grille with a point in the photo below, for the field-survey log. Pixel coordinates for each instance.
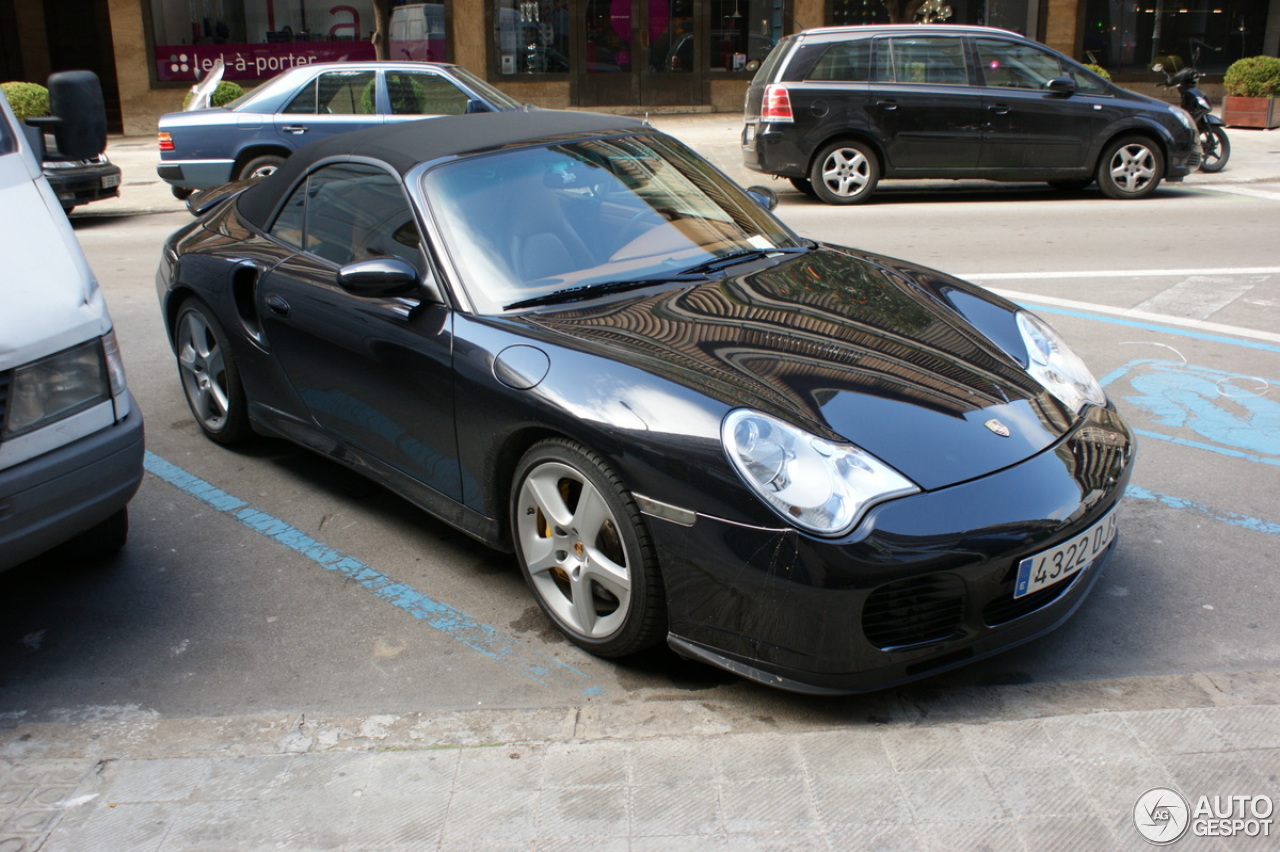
(914, 611)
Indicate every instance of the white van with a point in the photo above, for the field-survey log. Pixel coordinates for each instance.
(71, 440)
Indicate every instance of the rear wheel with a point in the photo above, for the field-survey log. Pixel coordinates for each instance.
(260, 167)
(1215, 148)
(844, 173)
(584, 550)
(209, 376)
(1131, 167)
(181, 192)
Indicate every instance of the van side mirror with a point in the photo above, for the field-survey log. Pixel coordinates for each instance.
(79, 120)
(764, 196)
(475, 105)
(1064, 86)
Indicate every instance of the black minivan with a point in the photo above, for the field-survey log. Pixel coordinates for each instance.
(837, 109)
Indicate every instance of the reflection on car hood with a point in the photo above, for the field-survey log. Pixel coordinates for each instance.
(841, 346)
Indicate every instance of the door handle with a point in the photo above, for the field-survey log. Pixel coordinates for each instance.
(277, 305)
(999, 109)
(294, 128)
(887, 106)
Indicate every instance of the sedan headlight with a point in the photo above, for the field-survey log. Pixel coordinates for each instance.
(816, 484)
(1059, 370)
(61, 385)
(1184, 117)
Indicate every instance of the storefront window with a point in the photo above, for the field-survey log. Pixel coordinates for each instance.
(1129, 35)
(742, 33)
(257, 39)
(1014, 15)
(532, 36)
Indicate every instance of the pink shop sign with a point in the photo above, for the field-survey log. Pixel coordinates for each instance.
(190, 62)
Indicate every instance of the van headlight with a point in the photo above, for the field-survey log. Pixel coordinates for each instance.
(818, 485)
(64, 384)
(1060, 371)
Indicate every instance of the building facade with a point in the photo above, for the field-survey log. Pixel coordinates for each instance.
(637, 55)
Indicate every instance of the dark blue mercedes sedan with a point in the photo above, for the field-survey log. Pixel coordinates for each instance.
(572, 338)
(251, 136)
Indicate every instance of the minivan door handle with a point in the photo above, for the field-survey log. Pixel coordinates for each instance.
(887, 105)
(999, 109)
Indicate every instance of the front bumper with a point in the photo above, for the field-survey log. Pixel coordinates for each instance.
(53, 497)
(81, 184)
(924, 585)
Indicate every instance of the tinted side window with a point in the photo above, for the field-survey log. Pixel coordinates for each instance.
(848, 61)
(1016, 66)
(910, 59)
(421, 93)
(336, 93)
(350, 212)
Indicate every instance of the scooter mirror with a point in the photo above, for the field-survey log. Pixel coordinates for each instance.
(1157, 67)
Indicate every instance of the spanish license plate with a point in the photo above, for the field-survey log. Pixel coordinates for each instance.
(749, 135)
(108, 181)
(1066, 559)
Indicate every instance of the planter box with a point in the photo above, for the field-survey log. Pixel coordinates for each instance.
(1250, 112)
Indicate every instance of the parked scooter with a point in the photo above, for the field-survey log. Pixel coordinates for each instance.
(1215, 147)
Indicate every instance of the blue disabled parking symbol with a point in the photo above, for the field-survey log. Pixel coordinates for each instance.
(1228, 413)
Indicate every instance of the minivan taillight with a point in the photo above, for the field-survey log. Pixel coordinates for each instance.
(777, 104)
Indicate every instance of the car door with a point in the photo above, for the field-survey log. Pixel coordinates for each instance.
(375, 373)
(928, 113)
(1028, 126)
(332, 102)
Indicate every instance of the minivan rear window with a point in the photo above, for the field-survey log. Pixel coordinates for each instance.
(848, 61)
(772, 59)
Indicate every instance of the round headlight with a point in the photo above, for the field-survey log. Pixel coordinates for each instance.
(1060, 371)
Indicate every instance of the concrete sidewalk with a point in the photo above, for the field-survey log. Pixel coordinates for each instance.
(649, 775)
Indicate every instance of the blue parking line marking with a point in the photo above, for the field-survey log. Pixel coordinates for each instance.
(1234, 518)
(1152, 326)
(455, 624)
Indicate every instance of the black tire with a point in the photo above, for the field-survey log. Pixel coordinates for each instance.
(804, 186)
(1130, 167)
(181, 192)
(209, 376)
(1215, 149)
(559, 487)
(260, 167)
(844, 172)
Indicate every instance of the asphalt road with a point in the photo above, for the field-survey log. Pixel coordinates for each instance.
(298, 587)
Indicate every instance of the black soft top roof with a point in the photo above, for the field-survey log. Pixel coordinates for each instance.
(403, 145)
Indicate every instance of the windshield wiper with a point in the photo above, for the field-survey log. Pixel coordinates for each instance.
(602, 288)
(743, 255)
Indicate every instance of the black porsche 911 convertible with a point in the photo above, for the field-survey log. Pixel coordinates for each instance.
(571, 337)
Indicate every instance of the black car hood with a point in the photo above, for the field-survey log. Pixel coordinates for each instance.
(847, 345)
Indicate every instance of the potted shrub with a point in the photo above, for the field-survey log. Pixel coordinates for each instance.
(1252, 85)
(29, 100)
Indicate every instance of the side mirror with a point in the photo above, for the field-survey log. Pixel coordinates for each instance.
(475, 105)
(79, 116)
(384, 276)
(1061, 86)
(764, 196)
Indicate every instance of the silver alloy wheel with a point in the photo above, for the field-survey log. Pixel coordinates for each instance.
(264, 170)
(1133, 167)
(203, 369)
(846, 172)
(573, 550)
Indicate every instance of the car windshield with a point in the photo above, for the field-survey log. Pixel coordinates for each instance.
(522, 224)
